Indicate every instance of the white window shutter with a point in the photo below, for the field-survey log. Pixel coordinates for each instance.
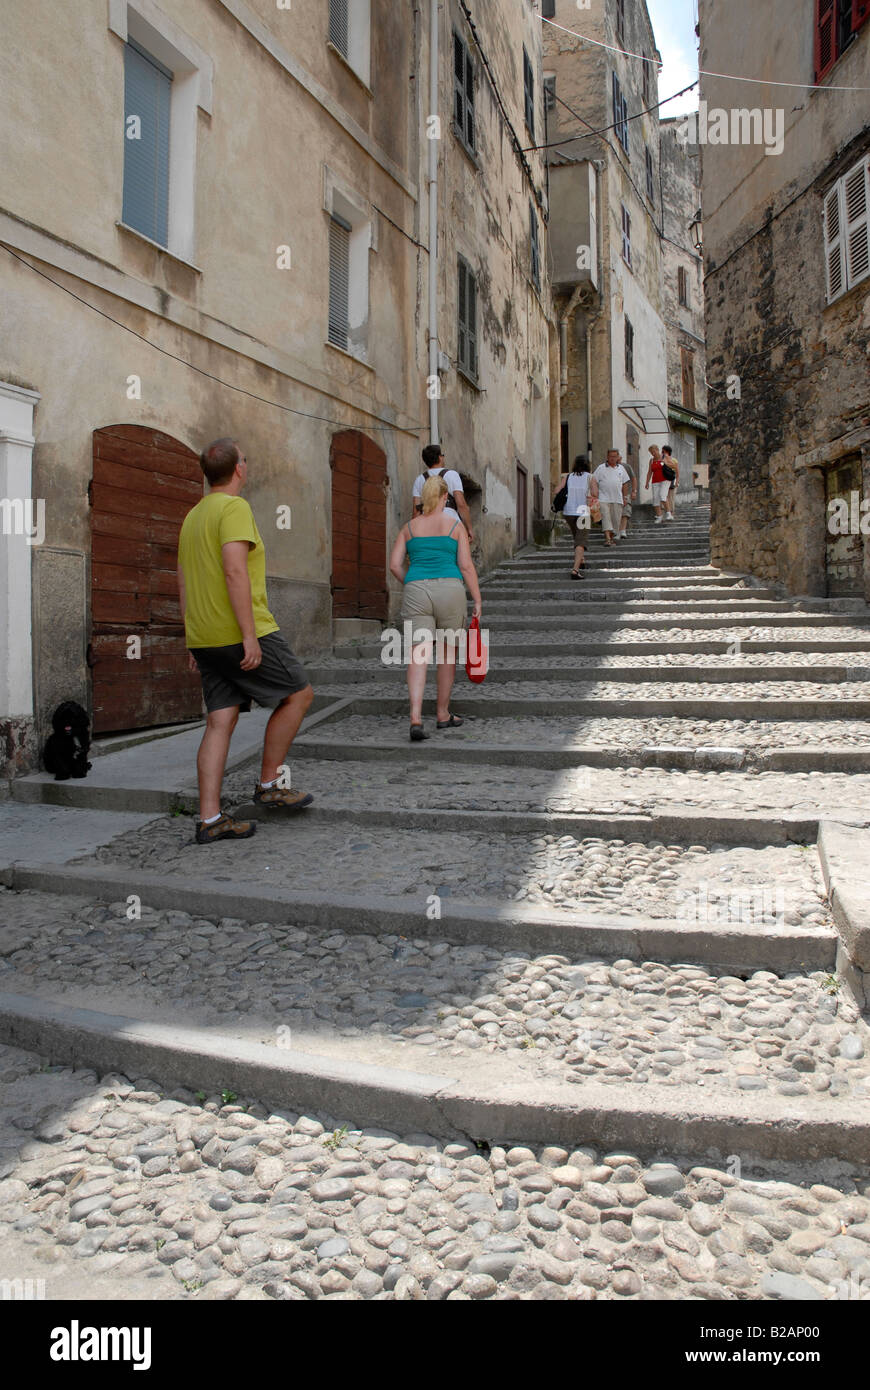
(835, 259)
(856, 203)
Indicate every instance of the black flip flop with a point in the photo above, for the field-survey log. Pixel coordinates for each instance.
(418, 733)
(452, 723)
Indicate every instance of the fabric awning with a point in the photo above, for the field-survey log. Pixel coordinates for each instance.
(646, 416)
(688, 417)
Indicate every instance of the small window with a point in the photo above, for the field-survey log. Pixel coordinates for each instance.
(847, 231)
(147, 100)
(647, 82)
(683, 286)
(463, 93)
(467, 316)
(629, 350)
(350, 23)
(620, 114)
(620, 22)
(548, 9)
(650, 176)
(836, 25)
(550, 93)
(535, 247)
(529, 92)
(687, 373)
(626, 235)
(339, 282)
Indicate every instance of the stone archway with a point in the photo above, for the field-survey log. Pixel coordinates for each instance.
(144, 484)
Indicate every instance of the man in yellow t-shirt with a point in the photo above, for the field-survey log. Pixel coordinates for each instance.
(234, 642)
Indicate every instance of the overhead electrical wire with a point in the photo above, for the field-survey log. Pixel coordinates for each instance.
(264, 400)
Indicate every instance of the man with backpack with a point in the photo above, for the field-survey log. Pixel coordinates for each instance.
(433, 467)
(671, 470)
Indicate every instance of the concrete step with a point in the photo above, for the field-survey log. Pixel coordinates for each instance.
(503, 670)
(654, 619)
(511, 647)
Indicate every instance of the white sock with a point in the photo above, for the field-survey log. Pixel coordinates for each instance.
(267, 785)
(211, 819)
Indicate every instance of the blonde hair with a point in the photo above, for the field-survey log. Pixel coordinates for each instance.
(433, 490)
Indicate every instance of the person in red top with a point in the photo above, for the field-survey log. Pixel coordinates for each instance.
(660, 484)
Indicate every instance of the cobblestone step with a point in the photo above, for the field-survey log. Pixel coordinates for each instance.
(465, 1220)
(574, 621)
(506, 668)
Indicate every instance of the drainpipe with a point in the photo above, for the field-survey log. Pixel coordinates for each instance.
(434, 437)
(563, 336)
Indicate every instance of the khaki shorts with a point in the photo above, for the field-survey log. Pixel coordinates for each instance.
(435, 605)
(611, 515)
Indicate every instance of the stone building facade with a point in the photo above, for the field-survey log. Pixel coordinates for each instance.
(606, 231)
(215, 220)
(683, 270)
(787, 285)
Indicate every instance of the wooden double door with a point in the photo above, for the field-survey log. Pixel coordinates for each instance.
(359, 527)
(144, 484)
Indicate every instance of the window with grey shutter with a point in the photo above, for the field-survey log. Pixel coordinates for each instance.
(620, 114)
(467, 317)
(650, 183)
(535, 245)
(626, 235)
(338, 25)
(548, 9)
(339, 281)
(846, 224)
(463, 92)
(529, 92)
(629, 350)
(147, 96)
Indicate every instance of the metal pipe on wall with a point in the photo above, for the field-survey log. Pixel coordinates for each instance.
(434, 437)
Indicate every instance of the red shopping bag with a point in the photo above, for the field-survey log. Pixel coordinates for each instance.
(477, 654)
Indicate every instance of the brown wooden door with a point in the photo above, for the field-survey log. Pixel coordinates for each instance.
(359, 527)
(522, 505)
(143, 486)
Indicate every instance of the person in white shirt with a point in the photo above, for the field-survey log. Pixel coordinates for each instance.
(581, 490)
(614, 485)
(433, 467)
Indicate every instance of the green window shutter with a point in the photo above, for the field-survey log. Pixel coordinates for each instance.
(147, 95)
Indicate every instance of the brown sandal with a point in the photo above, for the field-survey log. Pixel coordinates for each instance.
(224, 829)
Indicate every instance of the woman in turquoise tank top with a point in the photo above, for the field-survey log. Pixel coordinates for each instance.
(438, 554)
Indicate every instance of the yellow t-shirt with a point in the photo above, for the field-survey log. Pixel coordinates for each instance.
(212, 524)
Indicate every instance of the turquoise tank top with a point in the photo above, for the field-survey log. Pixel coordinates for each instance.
(432, 557)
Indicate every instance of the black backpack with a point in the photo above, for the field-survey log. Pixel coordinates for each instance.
(436, 473)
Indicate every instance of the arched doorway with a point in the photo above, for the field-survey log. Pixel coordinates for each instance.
(144, 484)
(359, 527)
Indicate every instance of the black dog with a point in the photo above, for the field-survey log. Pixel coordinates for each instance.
(66, 750)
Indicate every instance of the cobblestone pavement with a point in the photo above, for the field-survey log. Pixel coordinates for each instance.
(723, 691)
(110, 1187)
(636, 879)
(581, 731)
(203, 1197)
(554, 1015)
(452, 786)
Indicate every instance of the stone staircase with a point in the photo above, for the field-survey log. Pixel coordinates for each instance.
(626, 904)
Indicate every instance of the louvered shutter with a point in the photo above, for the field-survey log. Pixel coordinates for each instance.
(826, 36)
(339, 281)
(470, 122)
(472, 324)
(536, 247)
(459, 82)
(529, 93)
(147, 95)
(463, 315)
(860, 13)
(338, 25)
(835, 259)
(856, 202)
